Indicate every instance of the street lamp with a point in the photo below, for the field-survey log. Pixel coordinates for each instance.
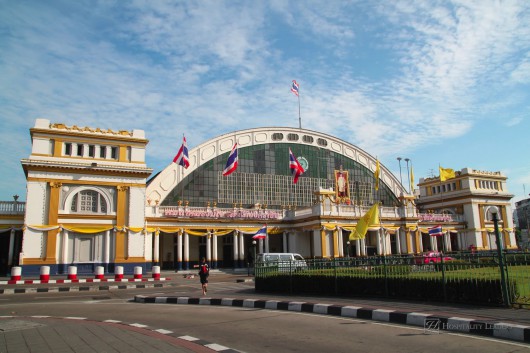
(400, 178)
(408, 173)
(494, 212)
(255, 256)
(348, 247)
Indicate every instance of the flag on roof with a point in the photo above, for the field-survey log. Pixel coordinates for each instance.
(371, 218)
(231, 163)
(261, 234)
(182, 155)
(295, 87)
(446, 173)
(436, 231)
(296, 167)
(377, 174)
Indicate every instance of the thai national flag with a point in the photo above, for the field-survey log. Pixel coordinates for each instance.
(182, 156)
(261, 234)
(295, 87)
(296, 167)
(436, 231)
(231, 163)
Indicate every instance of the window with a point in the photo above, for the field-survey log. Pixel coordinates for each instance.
(322, 142)
(88, 201)
(277, 136)
(114, 152)
(307, 139)
(91, 150)
(102, 152)
(292, 137)
(67, 149)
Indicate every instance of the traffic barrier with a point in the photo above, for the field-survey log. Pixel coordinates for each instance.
(156, 272)
(100, 271)
(72, 272)
(45, 273)
(118, 273)
(16, 273)
(137, 272)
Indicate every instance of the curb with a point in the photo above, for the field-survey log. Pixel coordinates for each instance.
(430, 323)
(86, 280)
(76, 289)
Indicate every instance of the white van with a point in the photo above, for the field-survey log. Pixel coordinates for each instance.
(284, 261)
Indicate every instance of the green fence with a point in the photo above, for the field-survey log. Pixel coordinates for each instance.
(460, 278)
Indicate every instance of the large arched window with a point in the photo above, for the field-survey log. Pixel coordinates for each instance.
(88, 201)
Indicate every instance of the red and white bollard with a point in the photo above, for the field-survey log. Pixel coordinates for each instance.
(100, 272)
(118, 273)
(156, 272)
(44, 273)
(16, 273)
(72, 272)
(137, 272)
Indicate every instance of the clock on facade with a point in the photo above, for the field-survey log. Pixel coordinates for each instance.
(303, 162)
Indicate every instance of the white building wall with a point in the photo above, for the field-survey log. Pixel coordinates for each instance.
(136, 243)
(36, 214)
(136, 206)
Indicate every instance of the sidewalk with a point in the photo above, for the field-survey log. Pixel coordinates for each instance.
(508, 323)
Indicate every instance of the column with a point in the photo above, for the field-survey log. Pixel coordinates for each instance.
(335, 243)
(120, 222)
(208, 247)
(186, 251)
(292, 242)
(179, 250)
(214, 251)
(241, 250)
(398, 241)
(106, 251)
(156, 250)
(53, 216)
(408, 238)
(266, 244)
(434, 243)
(358, 246)
(341, 243)
(284, 242)
(363, 247)
(64, 257)
(236, 250)
(260, 243)
(378, 242)
(323, 243)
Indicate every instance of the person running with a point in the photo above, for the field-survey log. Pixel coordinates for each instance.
(204, 272)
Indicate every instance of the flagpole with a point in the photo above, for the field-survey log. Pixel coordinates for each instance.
(299, 115)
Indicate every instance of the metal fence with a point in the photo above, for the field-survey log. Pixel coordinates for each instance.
(474, 271)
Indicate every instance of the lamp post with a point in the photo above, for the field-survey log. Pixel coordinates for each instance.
(400, 178)
(494, 212)
(255, 256)
(408, 173)
(348, 247)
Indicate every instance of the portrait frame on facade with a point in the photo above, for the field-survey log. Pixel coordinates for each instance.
(342, 186)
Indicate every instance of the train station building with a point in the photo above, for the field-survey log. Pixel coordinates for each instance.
(92, 201)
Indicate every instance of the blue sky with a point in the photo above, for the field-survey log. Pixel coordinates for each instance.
(439, 82)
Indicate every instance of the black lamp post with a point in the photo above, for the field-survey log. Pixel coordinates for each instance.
(494, 212)
(255, 255)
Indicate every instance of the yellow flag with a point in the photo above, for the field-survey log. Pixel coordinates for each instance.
(446, 173)
(371, 218)
(411, 178)
(376, 174)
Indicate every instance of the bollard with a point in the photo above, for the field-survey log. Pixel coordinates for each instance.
(118, 273)
(45, 273)
(156, 272)
(72, 272)
(16, 273)
(100, 271)
(137, 272)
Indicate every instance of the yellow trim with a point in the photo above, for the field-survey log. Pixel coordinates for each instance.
(409, 242)
(121, 208)
(76, 182)
(335, 243)
(132, 259)
(330, 226)
(57, 148)
(81, 136)
(122, 153)
(323, 242)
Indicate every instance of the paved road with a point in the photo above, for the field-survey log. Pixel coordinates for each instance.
(190, 328)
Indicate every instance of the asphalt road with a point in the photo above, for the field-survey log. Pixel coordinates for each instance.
(245, 329)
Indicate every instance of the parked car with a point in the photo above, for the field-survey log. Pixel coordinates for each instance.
(284, 261)
(431, 257)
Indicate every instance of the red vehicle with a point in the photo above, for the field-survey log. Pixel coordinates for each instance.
(431, 257)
